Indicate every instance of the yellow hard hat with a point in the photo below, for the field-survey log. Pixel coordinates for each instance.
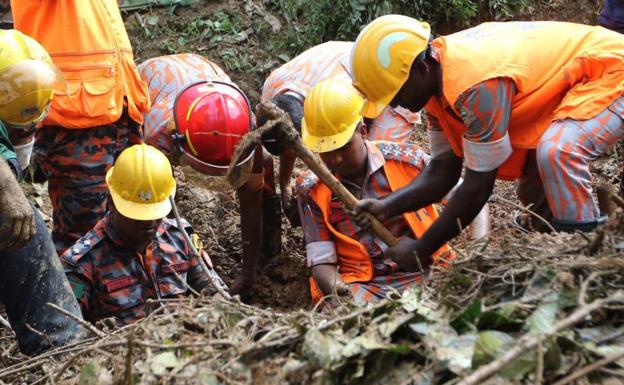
(27, 79)
(331, 112)
(140, 183)
(382, 56)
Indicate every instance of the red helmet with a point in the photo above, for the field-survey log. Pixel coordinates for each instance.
(211, 118)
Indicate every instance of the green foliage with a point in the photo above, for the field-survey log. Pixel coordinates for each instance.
(313, 22)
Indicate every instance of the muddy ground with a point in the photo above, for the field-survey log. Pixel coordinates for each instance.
(236, 35)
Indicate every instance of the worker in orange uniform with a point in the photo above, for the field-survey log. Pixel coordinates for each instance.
(197, 117)
(288, 86)
(94, 116)
(344, 257)
(534, 101)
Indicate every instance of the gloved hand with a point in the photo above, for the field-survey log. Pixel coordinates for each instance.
(17, 217)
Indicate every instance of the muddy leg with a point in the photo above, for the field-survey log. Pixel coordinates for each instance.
(29, 278)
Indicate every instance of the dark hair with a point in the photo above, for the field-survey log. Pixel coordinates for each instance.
(294, 108)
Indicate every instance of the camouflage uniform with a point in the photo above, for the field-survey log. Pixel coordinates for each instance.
(110, 280)
(75, 163)
(32, 276)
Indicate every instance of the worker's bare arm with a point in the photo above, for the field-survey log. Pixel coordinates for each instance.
(435, 180)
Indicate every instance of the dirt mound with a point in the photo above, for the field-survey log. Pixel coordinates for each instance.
(281, 284)
(520, 308)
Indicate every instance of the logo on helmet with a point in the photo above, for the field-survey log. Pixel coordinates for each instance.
(383, 50)
(145, 196)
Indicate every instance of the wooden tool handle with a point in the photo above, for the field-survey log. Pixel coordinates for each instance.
(319, 168)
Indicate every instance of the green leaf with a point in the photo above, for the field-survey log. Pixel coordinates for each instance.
(499, 319)
(90, 373)
(491, 345)
(162, 362)
(467, 319)
(451, 351)
(152, 20)
(320, 349)
(388, 328)
(542, 319)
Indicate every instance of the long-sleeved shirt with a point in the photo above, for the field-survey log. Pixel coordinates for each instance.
(108, 279)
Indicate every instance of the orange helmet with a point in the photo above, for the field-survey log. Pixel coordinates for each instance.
(211, 118)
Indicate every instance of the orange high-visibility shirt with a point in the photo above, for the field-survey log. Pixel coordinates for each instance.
(561, 70)
(88, 42)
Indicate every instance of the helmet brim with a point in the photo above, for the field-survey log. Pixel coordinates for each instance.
(139, 211)
(322, 144)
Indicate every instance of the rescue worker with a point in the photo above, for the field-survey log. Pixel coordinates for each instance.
(134, 253)
(94, 115)
(197, 117)
(344, 257)
(534, 101)
(30, 272)
(288, 86)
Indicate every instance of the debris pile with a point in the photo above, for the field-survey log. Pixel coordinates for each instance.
(527, 308)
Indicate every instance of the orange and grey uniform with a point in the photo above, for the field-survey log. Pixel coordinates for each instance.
(331, 60)
(524, 97)
(94, 115)
(332, 238)
(109, 280)
(166, 77)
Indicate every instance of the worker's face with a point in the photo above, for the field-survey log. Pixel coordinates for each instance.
(134, 234)
(417, 90)
(349, 161)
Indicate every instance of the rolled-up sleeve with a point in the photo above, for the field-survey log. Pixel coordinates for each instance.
(485, 110)
(320, 247)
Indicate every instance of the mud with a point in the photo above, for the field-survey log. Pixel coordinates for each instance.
(280, 284)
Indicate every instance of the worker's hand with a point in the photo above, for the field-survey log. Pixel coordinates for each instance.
(373, 206)
(242, 285)
(17, 219)
(406, 252)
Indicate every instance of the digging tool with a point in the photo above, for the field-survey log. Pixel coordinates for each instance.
(288, 133)
(202, 256)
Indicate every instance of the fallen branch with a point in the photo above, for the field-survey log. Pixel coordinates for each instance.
(524, 209)
(74, 317)
(530, 341)
(589, 368)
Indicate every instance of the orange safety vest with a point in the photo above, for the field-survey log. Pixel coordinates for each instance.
(561, 70)
(354, 263)
(88, 42)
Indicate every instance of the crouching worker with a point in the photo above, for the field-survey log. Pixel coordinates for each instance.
(344, 257)
(31, 274)
(134, 253)
(197, 118)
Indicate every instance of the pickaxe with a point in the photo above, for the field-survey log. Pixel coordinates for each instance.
(281, 121)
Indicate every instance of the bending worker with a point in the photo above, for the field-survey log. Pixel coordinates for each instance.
(343, 256)
(94, 116)
(30, 272)
(289, 85)
(534, 101)
(134, 253)
(197, 118)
